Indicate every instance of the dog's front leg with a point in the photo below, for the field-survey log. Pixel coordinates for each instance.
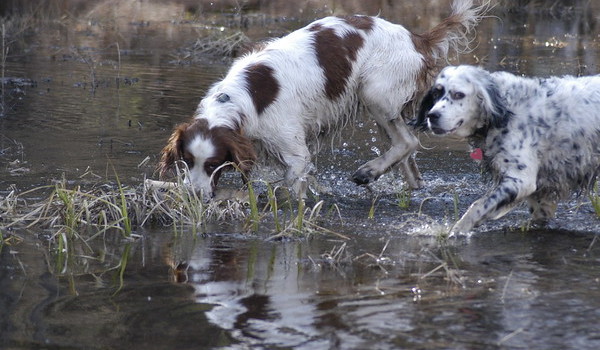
(299, 165)
(404, 143)
(497, 203)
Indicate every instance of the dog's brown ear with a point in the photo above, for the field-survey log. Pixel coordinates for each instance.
(242, 151)
(172, 152)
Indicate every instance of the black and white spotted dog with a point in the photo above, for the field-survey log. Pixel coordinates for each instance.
(284, 97)
(540, 137)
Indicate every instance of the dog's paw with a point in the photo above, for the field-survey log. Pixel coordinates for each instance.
(299, 188)
(462, 226)
(363, 176)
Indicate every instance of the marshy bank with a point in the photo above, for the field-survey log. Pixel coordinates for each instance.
(90, 93)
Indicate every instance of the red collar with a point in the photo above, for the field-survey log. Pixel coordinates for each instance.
(477, 154)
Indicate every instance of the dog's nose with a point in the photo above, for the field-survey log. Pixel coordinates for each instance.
(208, 196)
(433, 116)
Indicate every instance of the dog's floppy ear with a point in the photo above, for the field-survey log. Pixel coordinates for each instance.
(173, 151)
(493, 104)
(241, 151)
(420, 123)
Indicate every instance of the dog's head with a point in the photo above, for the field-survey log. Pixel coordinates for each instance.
(206, 151)
(463, 100)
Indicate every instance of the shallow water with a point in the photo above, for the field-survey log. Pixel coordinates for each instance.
(392, 285)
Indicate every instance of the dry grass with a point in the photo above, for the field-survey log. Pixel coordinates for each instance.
(87, 213)
(223, 44)
(220, 44)
(80, 222)
(112, 206)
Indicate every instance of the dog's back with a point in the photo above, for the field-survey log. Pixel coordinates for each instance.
(560, 118)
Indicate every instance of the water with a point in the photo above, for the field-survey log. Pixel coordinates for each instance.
(392, 285)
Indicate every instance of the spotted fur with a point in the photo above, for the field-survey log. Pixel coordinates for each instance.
(540, 136)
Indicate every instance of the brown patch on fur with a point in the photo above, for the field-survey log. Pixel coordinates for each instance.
(440, 31)
(423, 45)
(360, 22)
(427, 43)
(233, 146)
(352, 43)
(427, 71)
(172, 152)
(262, 85)
(248, 48)
(315, 27)
(335, 55)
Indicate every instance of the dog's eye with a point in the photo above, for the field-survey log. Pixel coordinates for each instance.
(188, 158)
(211, 167)
(457, 95)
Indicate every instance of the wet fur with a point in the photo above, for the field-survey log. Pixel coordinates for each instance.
(287, 96)
(540, 136)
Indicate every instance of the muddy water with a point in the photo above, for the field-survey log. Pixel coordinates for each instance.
(82, 112)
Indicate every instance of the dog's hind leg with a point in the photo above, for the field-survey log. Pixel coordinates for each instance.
(542, 209)
(404, 144)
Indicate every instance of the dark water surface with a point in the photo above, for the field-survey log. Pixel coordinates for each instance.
(394, 284)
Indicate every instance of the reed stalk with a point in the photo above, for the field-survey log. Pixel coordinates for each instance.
(300, 217)
(127, 230)
(371, 215)
(3, 56)
(455, 202)
(254, 217)
(274, 207)
(595, 198)
(121, 268)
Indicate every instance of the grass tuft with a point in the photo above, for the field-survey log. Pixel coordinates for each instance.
(403, 198)
(595, 198)
(77, 213)
(287, 215)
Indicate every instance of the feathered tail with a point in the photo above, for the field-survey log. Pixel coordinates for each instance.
(452, 35)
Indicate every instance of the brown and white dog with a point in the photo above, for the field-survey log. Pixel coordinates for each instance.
(284, 97)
